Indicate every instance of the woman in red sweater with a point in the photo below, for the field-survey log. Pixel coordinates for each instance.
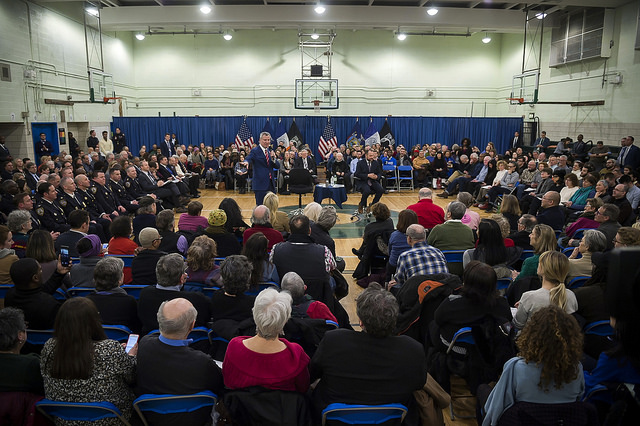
(264, 359)
(121, 242)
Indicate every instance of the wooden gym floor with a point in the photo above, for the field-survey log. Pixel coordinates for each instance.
(347, 234)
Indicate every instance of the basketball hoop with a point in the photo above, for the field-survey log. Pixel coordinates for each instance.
(316, 105)
(518, 100)
(108, 100)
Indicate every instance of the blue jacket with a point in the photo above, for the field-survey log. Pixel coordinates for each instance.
(262, 172)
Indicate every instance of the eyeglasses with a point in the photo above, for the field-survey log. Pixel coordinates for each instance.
(599, 212)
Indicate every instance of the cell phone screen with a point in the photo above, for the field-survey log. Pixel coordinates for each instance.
(131, 342)
(64, 256)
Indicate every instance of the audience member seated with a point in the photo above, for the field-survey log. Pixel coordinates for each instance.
(320, 232)
(491, 250)
(79, 364)
(510, 209)
(172, 242)
(143, 266)
(505, 228)
(264, 359)
(553, 268)
(18, 373)
(40, 247)
(363, 367)
(171, 276)
(235, 224)
(255, 249)
(191, 220)
(261, 222)
(90, 250)
(625, 217)
(279, 220)
(539, 374)
(398, 240)
(79, 222)
(551, 214)
(230, 302)
(571, 187)
(422, 259)
(7, 255)
(226, 242)
(312, 211)
(579, 199)
(453, 234)
(381, 227)
(116, 307)
(303, 305)
(542, 239)
(592, 241)
(201, 266)
(521, 238)
(121, 231)
(429, 214)
(168, 366)
(585, 220)
(19, 223)
(530, 203)
(470, 218)
(32, 296)
(145, 217)
(607, 217)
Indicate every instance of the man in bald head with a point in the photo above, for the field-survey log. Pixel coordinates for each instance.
(550, 212)
(168, 365)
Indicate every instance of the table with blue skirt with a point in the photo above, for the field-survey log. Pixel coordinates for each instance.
(337, 193)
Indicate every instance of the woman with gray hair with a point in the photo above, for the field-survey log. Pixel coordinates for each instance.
(231, 302)
(592, 241)
(265, 359)
(19, 223)
(20, 373)
(320, 232)
(116, 307)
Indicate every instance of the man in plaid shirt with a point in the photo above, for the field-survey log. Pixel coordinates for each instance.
(422, 259)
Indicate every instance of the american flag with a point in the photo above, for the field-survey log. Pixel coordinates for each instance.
(244, 138)
(328, 140)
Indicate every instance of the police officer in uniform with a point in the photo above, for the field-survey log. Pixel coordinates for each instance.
(91, 204)
(49, 212)
(70, 200)
(115, 184)
(106, 199)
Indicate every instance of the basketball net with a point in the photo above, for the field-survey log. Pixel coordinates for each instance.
(316, 105)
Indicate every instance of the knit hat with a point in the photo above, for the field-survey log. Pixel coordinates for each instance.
(94, 249)
(217, 218)
(147, 236)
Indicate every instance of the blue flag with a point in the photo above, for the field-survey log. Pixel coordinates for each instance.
(267, 128)
(281, 134)
(371, 136)
(355, 137)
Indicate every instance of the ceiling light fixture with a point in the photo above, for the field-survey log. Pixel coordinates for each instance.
(140, 36)
(227, 36)
(541, 15)
(432, 11)
(319, 9)
(401, 36)
(486, 38)
(93, 11)
(206, 9)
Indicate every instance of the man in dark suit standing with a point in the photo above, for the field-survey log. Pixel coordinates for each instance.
(516, 141)
(167, 147)
(542, 142)
(368, 172)
(43, 147)
(260, 159)
(4, 151)
(629, 154)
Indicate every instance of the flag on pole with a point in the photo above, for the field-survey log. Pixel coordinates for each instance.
(281, 134)
(328, 140)
(267, 128)
(355, 137)
(371, 136)
(386, 135)
(244, 138)
(295, 137)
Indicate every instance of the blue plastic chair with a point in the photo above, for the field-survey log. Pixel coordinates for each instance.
(453, 256)
(332, 323)
(60, 294)
(75, 260)
(461, 336)
(133, 289)
(197, 334)
(577, 282)
(599, 328)
(391, 178)
(262, 286)
(208, 291)
(117, 332)
(580, 233)
(171, 404)
(80, 291)
(401, 178)
(503, 283)
(126, 258)
(364, 414)
(39, 337)
(3, 289)
(526, 254)
(79, 411)
(219, 260)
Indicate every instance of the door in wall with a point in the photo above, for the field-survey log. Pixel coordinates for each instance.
(50, 130)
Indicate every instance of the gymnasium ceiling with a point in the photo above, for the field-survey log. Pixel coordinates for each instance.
(454, 16)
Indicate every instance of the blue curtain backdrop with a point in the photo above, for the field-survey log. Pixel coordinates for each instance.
(408, 131)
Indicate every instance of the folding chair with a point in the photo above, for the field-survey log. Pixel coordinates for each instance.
(405, 178)
(503, 283)
(363, 414)
(133, 289)
(80, 291)
(126, 258)
(526, 254)
(39, 337)
(3, 289)
(567, 252)
(599, 328)
(60, 294)
(79, 411)
(391, 177)
(171, 404)
(453, 257)
(208, 291)
(197, 334)
(577, 282)
(117, 332)
(261, 286)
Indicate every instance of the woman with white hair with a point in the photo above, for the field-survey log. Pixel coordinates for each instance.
(592, 241)
(265, 359)
(312, 211)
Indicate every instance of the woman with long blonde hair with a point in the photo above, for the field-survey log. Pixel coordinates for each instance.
(279, 220)
(553, 268)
